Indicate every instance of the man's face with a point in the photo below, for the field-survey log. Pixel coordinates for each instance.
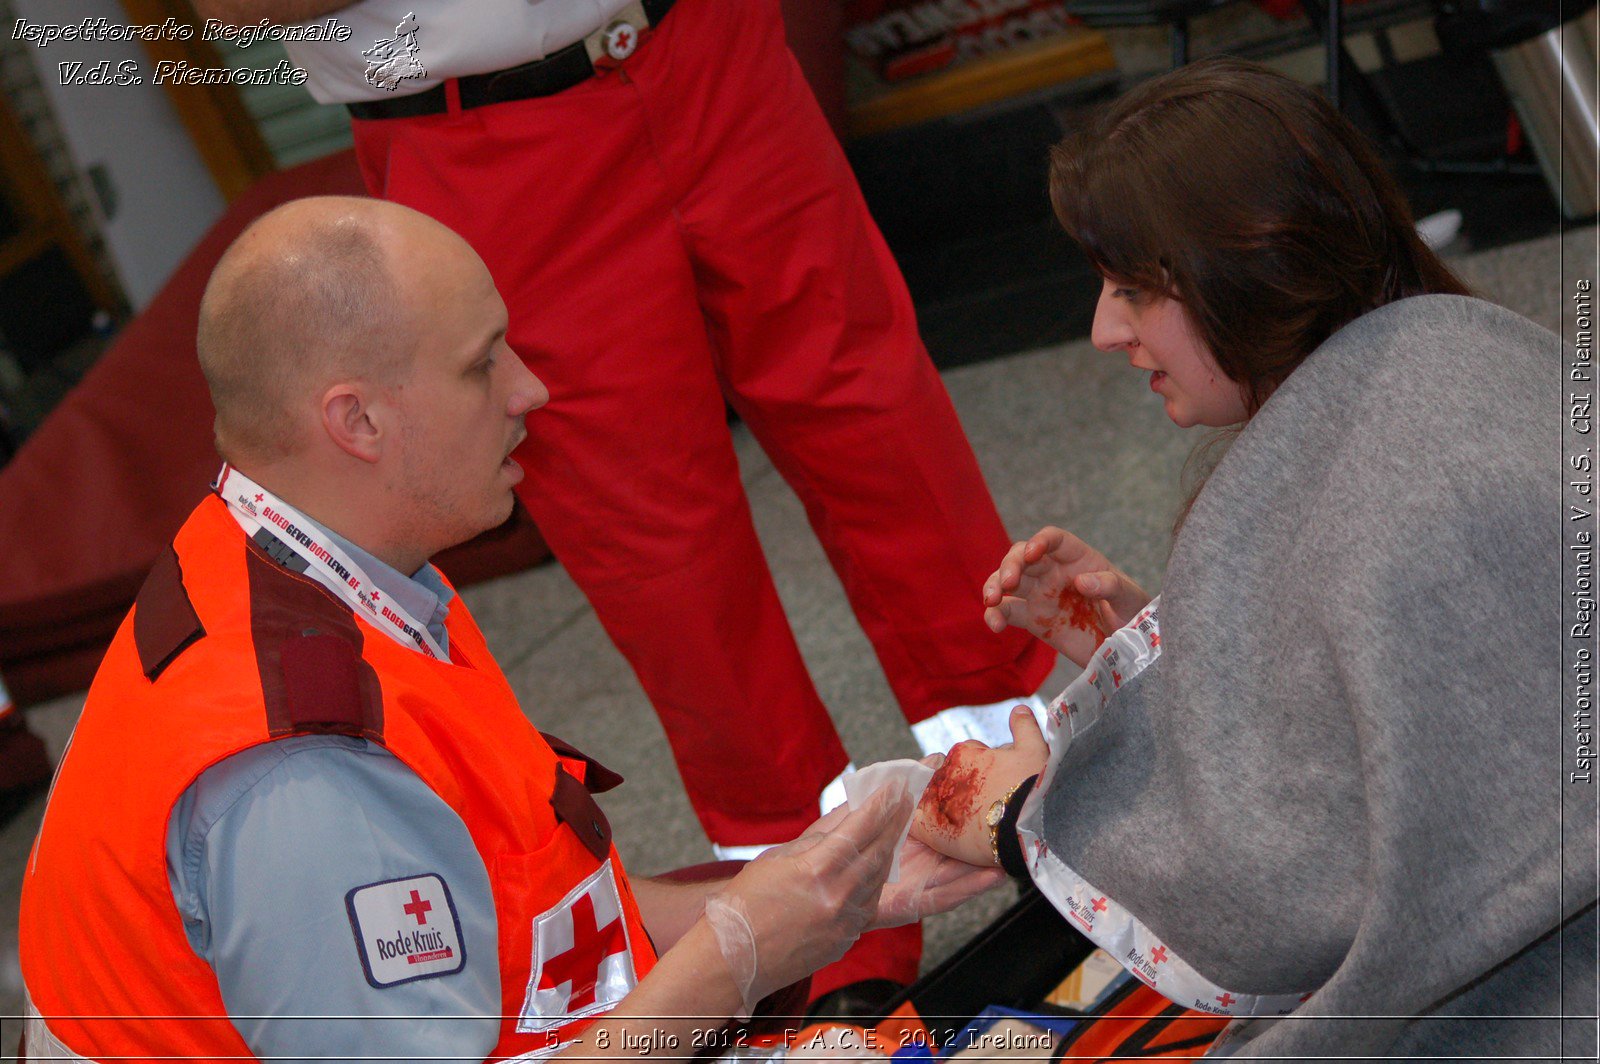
(462, 407)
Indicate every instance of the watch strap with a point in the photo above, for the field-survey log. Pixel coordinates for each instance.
(1007, 847)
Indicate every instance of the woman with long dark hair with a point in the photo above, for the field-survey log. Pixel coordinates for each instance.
(1320, 777)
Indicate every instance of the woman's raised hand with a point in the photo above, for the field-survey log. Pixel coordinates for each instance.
(1063, 591)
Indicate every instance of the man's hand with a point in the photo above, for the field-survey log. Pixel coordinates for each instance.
(799, 906)
(950, 817)
(1063, 591)
(787, 913)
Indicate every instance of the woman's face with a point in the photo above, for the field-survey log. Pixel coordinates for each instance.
(1159, 338)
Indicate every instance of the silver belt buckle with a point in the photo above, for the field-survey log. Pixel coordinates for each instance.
(619, 38)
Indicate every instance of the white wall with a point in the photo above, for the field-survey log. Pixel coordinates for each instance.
(164, 196)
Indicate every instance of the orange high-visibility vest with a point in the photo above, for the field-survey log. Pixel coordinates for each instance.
(225, 649)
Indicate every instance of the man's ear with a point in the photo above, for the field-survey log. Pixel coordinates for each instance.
(351, 422)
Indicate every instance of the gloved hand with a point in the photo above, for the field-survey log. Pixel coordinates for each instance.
(931, 882)
(799, 906)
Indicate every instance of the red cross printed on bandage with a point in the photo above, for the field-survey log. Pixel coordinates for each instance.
(417, 907)
(1099, 904)
(1155, 640)
(1227, 999)
(580, 965)
(375, 595)
(259, 497)
(1158, 955)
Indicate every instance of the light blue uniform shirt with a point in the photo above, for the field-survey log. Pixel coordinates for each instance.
(262, 851)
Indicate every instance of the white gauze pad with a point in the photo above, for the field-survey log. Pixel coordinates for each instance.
(861, 785)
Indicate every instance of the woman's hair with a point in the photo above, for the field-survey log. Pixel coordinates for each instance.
(1246, 196)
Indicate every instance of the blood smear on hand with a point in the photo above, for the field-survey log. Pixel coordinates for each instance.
(1080, 613)
(952, 795)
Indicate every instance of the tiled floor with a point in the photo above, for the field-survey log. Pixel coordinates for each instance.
(1065, 435)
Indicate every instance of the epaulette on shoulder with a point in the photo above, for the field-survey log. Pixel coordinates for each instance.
(164, 621)
(308, 652)
(574, 802)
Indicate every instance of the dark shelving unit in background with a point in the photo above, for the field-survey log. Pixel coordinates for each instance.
(963, 205)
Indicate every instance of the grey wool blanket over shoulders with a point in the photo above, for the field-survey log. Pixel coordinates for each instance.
(1344, 772)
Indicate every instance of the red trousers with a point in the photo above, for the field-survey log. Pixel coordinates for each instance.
(678, 233)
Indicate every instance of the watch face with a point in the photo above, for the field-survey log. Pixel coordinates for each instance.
(996, 813)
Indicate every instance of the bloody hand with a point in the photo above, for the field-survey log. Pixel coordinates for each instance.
(1063, 591)
(950, 817)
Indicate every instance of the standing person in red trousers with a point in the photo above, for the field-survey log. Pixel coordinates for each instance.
(676, 229)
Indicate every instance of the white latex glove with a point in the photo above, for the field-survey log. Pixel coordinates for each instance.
(799, 906)
(931, 883)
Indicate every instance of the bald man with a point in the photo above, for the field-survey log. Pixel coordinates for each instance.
(303, 815)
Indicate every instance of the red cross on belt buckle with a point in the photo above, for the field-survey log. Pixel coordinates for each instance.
(610, 47)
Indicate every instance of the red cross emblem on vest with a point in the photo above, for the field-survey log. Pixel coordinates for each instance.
(578, 965)
(583, 961)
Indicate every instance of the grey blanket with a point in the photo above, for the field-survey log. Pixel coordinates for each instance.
(1346, 768)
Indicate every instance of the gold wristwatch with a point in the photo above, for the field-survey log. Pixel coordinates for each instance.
(995, 814)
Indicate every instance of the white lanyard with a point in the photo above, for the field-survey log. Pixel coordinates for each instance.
(1123, 655)
(255, 508)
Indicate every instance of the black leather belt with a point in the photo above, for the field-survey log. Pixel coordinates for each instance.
(543, 77)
